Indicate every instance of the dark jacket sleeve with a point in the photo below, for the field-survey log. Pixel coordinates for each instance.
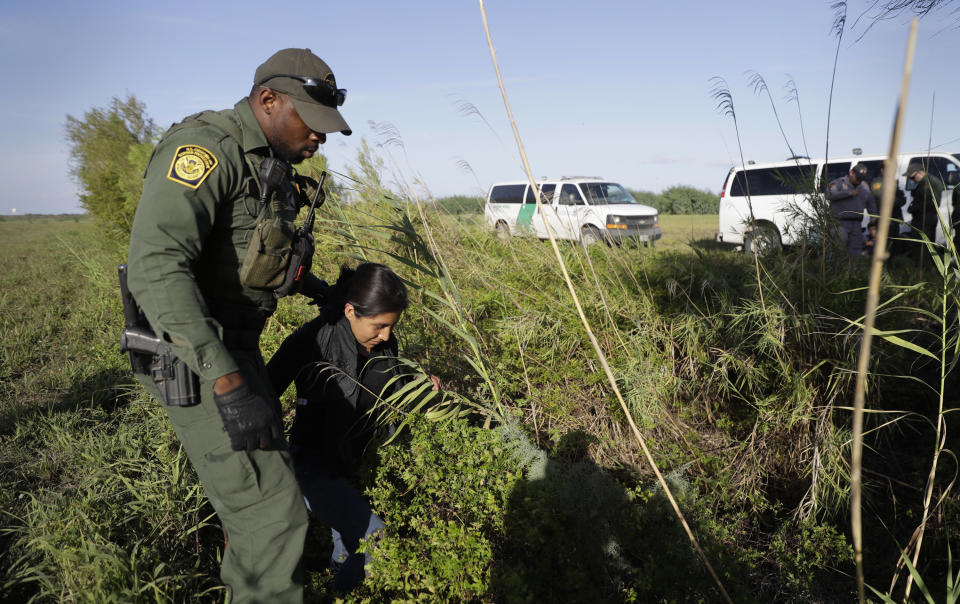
(840, 189)
(955, 200)
(294, 354)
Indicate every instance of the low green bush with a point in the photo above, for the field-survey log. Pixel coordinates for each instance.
(441, 493)
(441, 489)
(680, 199)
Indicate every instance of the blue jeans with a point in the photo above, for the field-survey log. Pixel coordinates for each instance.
(335, 502)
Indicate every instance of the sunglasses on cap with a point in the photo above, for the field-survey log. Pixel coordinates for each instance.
(320, 90)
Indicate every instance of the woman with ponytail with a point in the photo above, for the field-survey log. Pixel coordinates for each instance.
(341, 363)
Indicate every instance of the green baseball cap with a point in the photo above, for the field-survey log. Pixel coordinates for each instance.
(913, 169)
(309, 82)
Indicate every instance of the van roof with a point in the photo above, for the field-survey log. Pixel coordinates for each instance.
(561, 179)
(802, 161)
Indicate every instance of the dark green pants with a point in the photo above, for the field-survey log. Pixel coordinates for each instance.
(255, 495)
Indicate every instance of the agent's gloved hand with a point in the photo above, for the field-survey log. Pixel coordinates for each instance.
(307, 187)
(249, 419)
(316, 289)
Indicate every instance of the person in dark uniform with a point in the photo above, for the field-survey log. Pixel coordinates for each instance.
(927, 190)
(894, 245)
(849, 197)
(955, 217)
(341, 362)
(196, 220)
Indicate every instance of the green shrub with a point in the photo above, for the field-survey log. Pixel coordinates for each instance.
(574, 534)
(680, 199)
(109, 149)
(441, 493)
(803, 552)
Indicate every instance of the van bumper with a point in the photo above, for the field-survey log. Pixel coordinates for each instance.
(635, 233)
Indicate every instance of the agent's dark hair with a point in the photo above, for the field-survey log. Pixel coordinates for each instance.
(371, 288)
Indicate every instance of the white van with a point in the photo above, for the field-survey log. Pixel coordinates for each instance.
(579, 208)
(780, 194)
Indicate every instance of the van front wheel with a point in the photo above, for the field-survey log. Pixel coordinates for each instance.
(590, 235)
(502, 230)
(763, 240)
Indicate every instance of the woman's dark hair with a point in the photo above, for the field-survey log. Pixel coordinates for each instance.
(371, 288)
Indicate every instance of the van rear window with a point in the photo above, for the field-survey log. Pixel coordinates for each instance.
(547, 196)
(507, 194)
(786, 180)
(833, 171)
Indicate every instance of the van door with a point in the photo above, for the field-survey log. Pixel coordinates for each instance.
(505, 206)
(536, 220)
(570, 208)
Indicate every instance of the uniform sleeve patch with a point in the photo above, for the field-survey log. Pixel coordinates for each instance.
(191, 165)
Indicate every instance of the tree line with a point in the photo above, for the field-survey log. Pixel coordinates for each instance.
(109, 148)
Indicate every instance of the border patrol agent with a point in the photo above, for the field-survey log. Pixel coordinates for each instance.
(199, 213)
(955, 216)
(894, 244)
(849, 196)
(927, 190)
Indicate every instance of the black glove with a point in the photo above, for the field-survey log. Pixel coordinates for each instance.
(249, 419)
(307, 187)
(316, 289)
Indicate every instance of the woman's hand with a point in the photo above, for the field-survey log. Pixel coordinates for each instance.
(436, 382)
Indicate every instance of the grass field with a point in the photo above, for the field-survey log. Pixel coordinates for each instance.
(741, 389)
(685, 229)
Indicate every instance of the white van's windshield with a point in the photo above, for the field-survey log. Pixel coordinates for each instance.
(605, 193)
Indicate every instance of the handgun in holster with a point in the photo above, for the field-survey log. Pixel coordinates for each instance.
(152, 356)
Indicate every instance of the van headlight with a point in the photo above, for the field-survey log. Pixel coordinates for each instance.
(616, 222)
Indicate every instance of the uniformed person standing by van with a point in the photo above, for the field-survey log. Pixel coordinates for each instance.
(899, 200)
(849, 196)
(923, 209)
(955, 217)
(195, 219)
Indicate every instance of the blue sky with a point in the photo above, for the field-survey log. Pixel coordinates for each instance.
(615, 89)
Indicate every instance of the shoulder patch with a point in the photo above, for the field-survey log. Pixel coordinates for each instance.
(191, 165)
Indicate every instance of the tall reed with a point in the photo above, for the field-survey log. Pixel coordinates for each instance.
(873, 292)
(586, 324)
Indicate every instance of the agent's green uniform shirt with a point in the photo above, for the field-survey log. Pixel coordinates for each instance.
(198, 209)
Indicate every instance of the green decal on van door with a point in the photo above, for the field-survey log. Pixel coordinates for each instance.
(525, 218)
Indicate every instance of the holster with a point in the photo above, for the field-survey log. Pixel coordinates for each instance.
(152, 356)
